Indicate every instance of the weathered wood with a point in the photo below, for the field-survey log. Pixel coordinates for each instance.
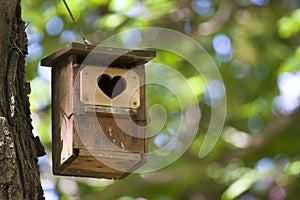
(91, 93)
(95, 134)
(114, 57)
(19, 171)
(89, 165)
(62, 109)
(142, 112)
(137, 114)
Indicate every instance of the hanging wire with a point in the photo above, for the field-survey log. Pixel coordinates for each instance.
(76, 24)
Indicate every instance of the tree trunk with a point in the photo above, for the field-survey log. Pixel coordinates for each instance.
(19, 172)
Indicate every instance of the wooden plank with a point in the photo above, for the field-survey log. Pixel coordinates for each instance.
(94, 134)
(89, 166)
(93, 93)
(141, 111)
(103, 164)
(80, 108)
(62, 108)
(118, 57)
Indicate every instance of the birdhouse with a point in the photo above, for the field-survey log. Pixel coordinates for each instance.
(98, 110)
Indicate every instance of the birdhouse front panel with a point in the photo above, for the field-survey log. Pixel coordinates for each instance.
(104, 86)
(98, 110)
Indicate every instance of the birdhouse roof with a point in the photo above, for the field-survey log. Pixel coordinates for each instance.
(100, 55)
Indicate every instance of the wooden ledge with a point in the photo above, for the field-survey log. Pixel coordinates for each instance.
(106, 56)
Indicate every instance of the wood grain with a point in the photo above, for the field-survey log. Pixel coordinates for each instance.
(96, 144)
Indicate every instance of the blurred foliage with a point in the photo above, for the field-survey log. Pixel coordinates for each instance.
(255, 44)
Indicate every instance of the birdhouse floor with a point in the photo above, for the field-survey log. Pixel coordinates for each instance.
(86, 165)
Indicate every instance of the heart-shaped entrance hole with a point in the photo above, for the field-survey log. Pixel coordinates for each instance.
(111, 87)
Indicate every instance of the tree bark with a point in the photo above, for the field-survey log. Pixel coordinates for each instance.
(19, 172)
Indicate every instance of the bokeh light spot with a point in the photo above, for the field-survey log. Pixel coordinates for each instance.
(277, 192)
(132, 38)
(222, 44)
(187, 27)
(161, 140)
(44, 73)
(121, 5)
(54, 26)
(289, 87)
(67, 36)
(223, 47)
(203, 7)
(138, 9)
(260, 2)
(68, 186)
(255, 123)
(265, 165)
(35, 51)
(214, 93)
(49, 189)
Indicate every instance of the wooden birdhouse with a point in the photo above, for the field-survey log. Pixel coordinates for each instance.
(98, 110)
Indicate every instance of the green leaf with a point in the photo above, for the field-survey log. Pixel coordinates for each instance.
(289, 26)
(294, 168)
(292, 63)
(241, 185)
(121, 5)
(109, 22)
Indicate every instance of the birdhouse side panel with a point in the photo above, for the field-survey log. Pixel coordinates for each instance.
(62, 112)
(141, 111)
